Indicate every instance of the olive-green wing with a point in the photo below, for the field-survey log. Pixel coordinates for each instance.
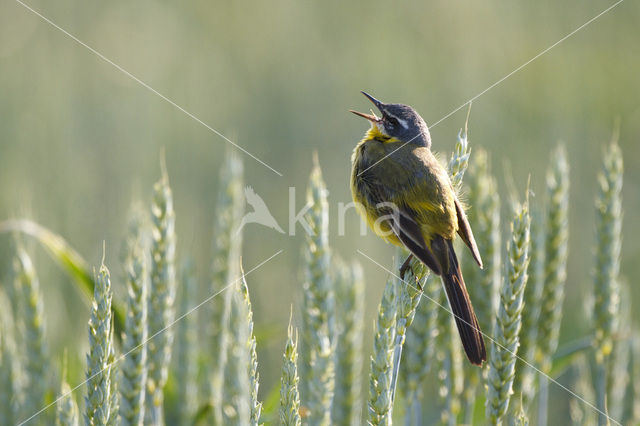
(408, 231)
(383, 187)
(464, 230)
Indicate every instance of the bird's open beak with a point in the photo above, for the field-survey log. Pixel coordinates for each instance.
(376, 102)
(371, 117)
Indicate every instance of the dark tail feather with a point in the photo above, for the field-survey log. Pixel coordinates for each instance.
(462, 309)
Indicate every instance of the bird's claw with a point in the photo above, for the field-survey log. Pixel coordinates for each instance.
(405, 267)
(403, 271)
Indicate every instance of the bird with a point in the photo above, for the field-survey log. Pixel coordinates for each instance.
(260, 213)
(406, 196)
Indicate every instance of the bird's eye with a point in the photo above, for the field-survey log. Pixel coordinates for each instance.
(392, 120)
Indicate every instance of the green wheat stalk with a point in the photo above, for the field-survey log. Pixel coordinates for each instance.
(555, 247)
(10, 394)
(31, 321)
(161, 309)
(409, 295)
(607, 267)
(449, 363)
(9, 388)
(380, 402)
(420, 348)
(67, 413)
(578, 412)
(114, 397)
(230, 381)
(459, 159)
(555, 269)
(631, 407)
(254, 377)
(484, 218)
(521, 418)
(289, 396)
(507, 328)
(448, 353)
(617, 372)
(225, 267)
(237, 404)
(186, 361)
(67, 409)
(349, 287)
(98, 400)
(524, 380)
(134, 368)
(318, 336)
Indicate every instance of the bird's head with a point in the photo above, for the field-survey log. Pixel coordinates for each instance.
(398, 123)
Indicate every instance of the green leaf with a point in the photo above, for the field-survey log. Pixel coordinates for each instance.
(62, 252)
(202, 414)
(270, 406)
(567, 354)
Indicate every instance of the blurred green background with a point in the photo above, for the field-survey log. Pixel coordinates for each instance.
(79, 140)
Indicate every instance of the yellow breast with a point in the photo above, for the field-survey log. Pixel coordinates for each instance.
(368, 212)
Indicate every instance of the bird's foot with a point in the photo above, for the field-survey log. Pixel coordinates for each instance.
(405, 267)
